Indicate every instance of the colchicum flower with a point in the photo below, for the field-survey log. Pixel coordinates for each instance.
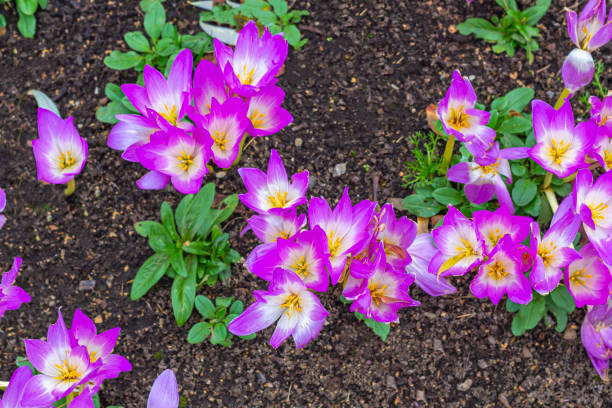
(590, 30)
(11, 297)
(588, 278)
(502, 273)
(460, 119)
(255, 61)
(596, 333)
(14, 392)
(601, 114)
(577, 70)
(273, 190)
(560, 146)
(298, 311)
(276, 223)
(60, 152)
(493, 226)
(208, 84)
(396, 236)
(265, 112)
(2, 205)
(421, 252)
(164, 393)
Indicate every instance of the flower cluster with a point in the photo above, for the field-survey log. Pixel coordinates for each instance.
(374, 255)
(183, 122)
(11, 297)
(596, 333)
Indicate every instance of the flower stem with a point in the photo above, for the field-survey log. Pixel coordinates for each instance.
(70, 187)
(422, 225)
(562, 97)
(547, 181)
(552, 199)
(448, 153)
(3, 385)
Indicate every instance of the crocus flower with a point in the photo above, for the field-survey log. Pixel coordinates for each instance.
(460, 119)
(225, 125)
(298, 311)
(175, 156)
(396, 235)
(593, 204)
(273, 190)
(502, 273)
(11, 297)
(602, 149)
(62, 367)
(460, 248)
(560, 146)
(493, 226)
(577, 70)
(421, 252)
(601, 111)
(276, 223)
(2, 205)
(164, 393)
(346, 228)
(14, 392)
(306, 256)
(483, 182)
(588, 278)
(552, 252)
(208, 83)
(60, 152)
(596, 333)
(255, 61)
(378, 291)
(265, 112)
(590, 30)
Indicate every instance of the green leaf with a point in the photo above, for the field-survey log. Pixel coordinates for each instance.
(534, 14)
(512, 307)
(168, 220)
(183, 297)
(197, 212)
(145, 5)
(532, 313)
(292, 35)
(178, 263)
(448, 195)
(380, 329)
(43, 101)
(113, 92)
(43, 4)
(518, 170)
(562, 298)
(499, 104)
(563, 190)
(198, 333)
(219, 333)
(26, 25)
(481, 28)
(181, 214)
(137, 41)
(560, 315)
(518, 325)
(159, 239)
(205, 307)
(515, 124)
(249, 336)
(224, 301)
(169, 31)
(154, 20)
(280, 7)
(143, 228)
(166, 47)
(122, 60)
(534, 207)
(523, 192)
(27, 7)
(149, 274)
(421, 206)
(106, 114)
(237, 307)
(519, 98)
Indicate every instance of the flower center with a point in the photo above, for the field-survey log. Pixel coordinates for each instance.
(278, 201)
(300, 267)
(578, 277)
(491, 169)
(545, 252)
(495, 236)
(557, 151)
(170, 114)
(608, 159)
(185, 161)
(466, 250)
(377, 292)
(598, 212)
(257, 118)
(334, 245)
(497, 270)
(67, 372)
(292, 303)
(459, 119)
(66, 160)
(246, 79)
(220, 139)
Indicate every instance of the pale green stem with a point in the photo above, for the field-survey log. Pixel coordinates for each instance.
(547, 181)
(562, 97)
(552, 199)
(448, 153)
(70, 187)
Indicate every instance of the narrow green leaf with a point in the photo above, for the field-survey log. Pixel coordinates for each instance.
(183, 297)
(219, 333)
(167, 218)
(26, 25)
(154, 20)
(148, 275)
(27, 7)
(562, 298)
(143, 228)
(178, 263)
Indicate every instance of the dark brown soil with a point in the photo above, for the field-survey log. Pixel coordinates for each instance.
(357, 90)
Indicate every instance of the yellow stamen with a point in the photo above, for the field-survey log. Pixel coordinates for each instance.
(220, 139)
(546, 253)
(92, 357)
(284, 235)
(185, 161)
(300, 267)
(465, 251)
(244, 78)
(377, 292)
(292, 303)
(598, 212)
(278, 201)
(334, 245)
(459, 119)
(171, 115)
(578, 277)
(66, 160)
(495, 236)
(608, 159)
(557, 151)
(67, 372)
(257, 118)
(497, 270)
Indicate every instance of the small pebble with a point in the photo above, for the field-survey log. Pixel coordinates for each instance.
(49, 218)
(391, 382)
(569, 334)
(220, 174)
(438, 346)
(260, 377)
(464, 386)
(298, 142)
(420, 395)
(339, 169)
(87, 285)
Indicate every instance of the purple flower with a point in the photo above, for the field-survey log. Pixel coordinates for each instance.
(493, 226)
(596, 333)
(588, 278)
(421, 252)
(276, 223)
(225, 124)
(578, 70)
(502, 273)
(396, 235)
(552, 252)
(273, 190)
(460, 248)
(62, 367)
(14, 392)
(11, 297)
(177, 156)
(208, 83)
(2, 205)
(460, 119)
(601, 111)
(602, 149)
(60, 152)
(265, 112)
(255, 61)
(378, 291)
(560, 146)
(164, 393)
(590, 30)
(346, 228)
(298, 311)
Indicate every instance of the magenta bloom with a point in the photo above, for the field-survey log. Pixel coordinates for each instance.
(601, 111)
(493, 226)
(276, 223)
(396, 235)
(60, 152)
(62, 366)
(164, 393)
(421, 252)
(208, 84)
(255, 61)
(577, 70)
(552, 252)
(11, 297)
(2, 205)
(273, 190)
(378, 291)
(460, 119)
(460, 248)
(502, 273)
(306, 256)
(596, 333)
(588, 278)
(593, 203)
(177, 156)
(346, 228)
(14, 392)
(298, 311)
(561, 147)
(265, 112)
(590, 30)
